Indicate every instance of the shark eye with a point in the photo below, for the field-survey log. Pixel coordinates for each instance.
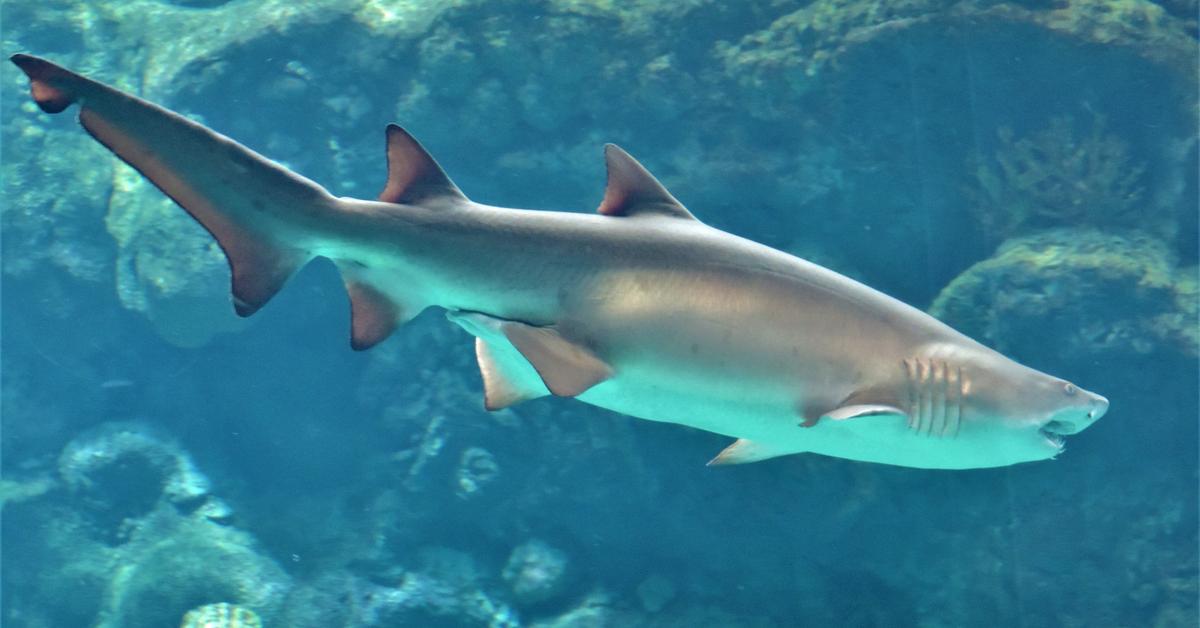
(1070, 388)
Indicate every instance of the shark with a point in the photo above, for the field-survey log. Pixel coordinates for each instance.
(639, 308)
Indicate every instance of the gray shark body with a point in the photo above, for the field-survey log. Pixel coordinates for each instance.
(640, 308)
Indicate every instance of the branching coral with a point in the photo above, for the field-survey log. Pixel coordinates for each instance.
(1054, 178)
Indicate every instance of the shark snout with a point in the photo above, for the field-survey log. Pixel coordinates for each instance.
(1099, 407)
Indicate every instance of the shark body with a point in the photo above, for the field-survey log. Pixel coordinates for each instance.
(639, 308)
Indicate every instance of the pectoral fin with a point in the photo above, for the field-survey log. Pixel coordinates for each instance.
(744, 450)
(863, 410)
(508, 378)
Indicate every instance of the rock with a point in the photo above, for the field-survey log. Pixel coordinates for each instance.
(87, 459)
(122, 471)
(594, 611)
(536, 572)
(443, 589)
(476, 469)
(172, 562)
(1082, 291)
(16, 491)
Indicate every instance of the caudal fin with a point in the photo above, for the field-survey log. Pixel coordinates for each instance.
(254, 207)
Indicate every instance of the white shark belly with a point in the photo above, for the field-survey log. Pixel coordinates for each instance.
(731, 410)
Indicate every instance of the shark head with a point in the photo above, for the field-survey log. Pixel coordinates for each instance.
(1034, 410)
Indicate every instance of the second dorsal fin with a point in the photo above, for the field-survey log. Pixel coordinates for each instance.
(633, 190)
(413, 175)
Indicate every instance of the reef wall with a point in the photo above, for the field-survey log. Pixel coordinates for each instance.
(1025, 170)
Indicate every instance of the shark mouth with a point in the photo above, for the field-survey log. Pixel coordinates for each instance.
(1054, 432)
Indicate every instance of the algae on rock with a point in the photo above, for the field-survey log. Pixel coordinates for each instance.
(1083, 290)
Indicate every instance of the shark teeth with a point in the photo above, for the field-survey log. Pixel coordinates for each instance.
(1053, 438)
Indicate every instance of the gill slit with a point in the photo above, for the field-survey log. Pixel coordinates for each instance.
(936, 392)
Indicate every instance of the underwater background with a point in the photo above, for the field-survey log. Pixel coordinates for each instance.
(1026, 171)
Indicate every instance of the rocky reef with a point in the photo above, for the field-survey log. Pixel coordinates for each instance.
(132, 535)
(1025, 169)
(1088, 293)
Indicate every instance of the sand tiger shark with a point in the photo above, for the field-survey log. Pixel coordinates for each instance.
(639, 308)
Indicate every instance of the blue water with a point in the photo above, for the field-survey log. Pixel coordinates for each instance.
(1026, 172)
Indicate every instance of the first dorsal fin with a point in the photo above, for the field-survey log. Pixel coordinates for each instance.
(633, 190)
(413, 175)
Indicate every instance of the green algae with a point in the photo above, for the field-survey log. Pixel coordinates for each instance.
(799, 46)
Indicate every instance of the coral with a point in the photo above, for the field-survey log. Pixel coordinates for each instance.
(1054, 178)
(143, 492)
(46, 223)
(1083, 291)
(799, 47)
(221, 615)
(1139, 24)
(444, 588)
(536, 572)
(134, 538)
(121, 454)
(174, 564)
(476, 469)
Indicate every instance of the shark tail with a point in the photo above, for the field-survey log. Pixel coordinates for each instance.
(255, 208)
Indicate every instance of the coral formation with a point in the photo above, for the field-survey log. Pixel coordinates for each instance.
(136, 536)
(1054, 178)
(476, 469)
(799, 46)
(1082, 291)
(174, 564)
(536, 572)
(138, 453)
